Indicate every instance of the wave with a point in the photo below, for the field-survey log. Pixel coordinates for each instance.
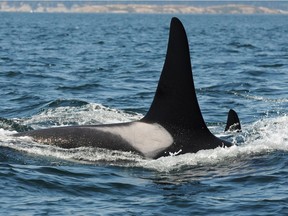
(79, 87)
(13, 125)
(11, 73)
(260, 98)
(242, 45)
(66, 103)
(261, 137)
(271, 65)
(65, 112)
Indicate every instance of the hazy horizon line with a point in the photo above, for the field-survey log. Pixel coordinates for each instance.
(168, 8)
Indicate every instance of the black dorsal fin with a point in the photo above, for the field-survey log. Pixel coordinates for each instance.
(175, 101)
(233, 122)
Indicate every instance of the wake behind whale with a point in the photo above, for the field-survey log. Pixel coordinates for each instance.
(173, 124)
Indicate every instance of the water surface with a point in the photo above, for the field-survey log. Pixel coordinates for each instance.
(75, 69)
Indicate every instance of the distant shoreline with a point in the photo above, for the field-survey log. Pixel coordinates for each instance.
(93, 7)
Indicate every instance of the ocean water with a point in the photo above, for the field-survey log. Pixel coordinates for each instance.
(75, 69)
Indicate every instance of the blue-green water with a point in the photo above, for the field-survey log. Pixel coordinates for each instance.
(69, 69)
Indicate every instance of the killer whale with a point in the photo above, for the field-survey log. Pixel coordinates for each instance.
(173, 125)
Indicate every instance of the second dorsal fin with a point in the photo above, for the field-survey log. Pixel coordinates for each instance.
(233, 122)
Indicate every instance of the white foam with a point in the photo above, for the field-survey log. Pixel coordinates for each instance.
(85, 115)
(269, 133)
(264, 136)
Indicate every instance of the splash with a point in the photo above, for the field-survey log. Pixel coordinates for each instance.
(87, 114)
(269, 134)
(262, 137)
